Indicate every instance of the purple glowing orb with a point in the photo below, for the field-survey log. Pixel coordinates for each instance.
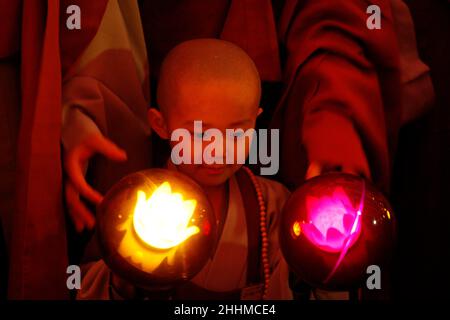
(333, 222)
(333, 227)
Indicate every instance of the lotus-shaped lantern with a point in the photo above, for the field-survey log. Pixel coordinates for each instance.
(162, 220)
(335, 226)
(156, 228)
(333, 221)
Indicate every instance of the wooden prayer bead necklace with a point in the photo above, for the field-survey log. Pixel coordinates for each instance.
(263, 229)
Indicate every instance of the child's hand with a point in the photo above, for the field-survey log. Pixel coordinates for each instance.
(75, 162)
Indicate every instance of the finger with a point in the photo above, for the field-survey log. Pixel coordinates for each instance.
(350, 170)
(314, 169)
(80, 215)
(363, 172)
(74, 169)
(106, 147)
(71, 195)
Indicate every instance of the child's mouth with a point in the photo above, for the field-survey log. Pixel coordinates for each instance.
(214, 170)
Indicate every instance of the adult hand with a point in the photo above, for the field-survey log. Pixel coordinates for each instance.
(75, 162)
(315, 168)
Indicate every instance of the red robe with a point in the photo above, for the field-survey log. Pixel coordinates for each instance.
(342, 102)
(36, 226)
(37, 244)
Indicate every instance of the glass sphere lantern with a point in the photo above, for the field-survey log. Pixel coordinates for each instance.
(156, 229)
(333, 227)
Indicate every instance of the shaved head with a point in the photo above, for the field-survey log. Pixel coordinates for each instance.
(199, 72)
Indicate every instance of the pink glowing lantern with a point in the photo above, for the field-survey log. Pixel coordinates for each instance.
(333, 227)
(333, 221)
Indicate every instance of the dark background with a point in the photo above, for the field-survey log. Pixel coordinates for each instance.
(421, 182)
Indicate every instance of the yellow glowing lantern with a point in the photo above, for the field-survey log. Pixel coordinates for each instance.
(162, 220)
(156, 228)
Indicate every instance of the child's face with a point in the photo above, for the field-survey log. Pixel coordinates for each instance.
(221, 107)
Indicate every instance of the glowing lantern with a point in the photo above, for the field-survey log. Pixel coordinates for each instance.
(156, 229)
(333, 227)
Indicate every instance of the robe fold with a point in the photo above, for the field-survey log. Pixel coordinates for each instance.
(37, 243)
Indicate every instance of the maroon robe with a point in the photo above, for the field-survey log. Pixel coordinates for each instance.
(342, 102)
(36, 227)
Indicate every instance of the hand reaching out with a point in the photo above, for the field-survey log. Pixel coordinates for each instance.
(315, 168)
(75, 161)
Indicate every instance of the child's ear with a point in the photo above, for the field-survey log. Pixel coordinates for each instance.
(157, 122)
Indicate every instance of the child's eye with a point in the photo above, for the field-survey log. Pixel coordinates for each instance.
(236, 134)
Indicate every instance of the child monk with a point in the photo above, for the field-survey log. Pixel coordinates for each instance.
(215, 82)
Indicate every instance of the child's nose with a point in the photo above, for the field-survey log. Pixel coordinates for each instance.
(216, 150)
(220, 152)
